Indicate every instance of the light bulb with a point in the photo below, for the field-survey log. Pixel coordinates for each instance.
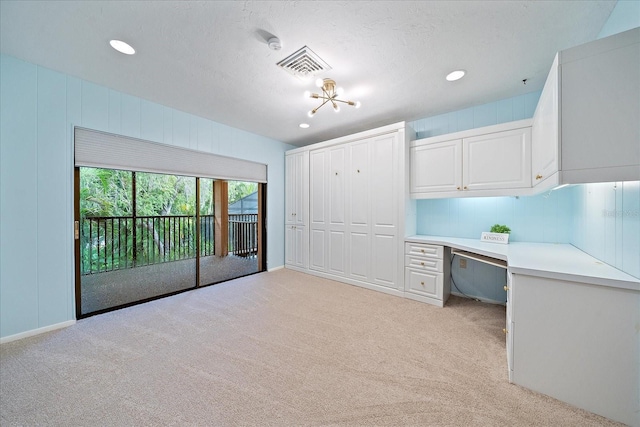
(307, 94)
(310, 113)
(122, 47)
(319, 82)
(336, 108)
(455, 75)
(339, 91)
(358, 104)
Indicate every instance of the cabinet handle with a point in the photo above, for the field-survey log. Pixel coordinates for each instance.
(358, 170)
(422, 283)
(465, 188)
(457, 188)
(422, 250)
(506, 288)
(422, 263)
(504, 331)
(336, 173)
(538, 176)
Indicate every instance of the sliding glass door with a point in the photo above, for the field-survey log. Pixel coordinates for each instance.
(143, 235)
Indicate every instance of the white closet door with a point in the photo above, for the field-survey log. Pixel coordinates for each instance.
(359, 202)
(337, 193)
(318, 220)
(384, 209)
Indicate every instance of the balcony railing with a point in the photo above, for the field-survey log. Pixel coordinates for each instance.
(113, 243)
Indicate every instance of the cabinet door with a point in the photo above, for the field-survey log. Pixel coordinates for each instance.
(359, 202)
(301, 246)
(436, 167)
(290, 188)
(497, 160)
(600, 107)
(336, 244)
(318, 220)
(544, 132)
(384, 185)
(296, 188)
(509, 327)
(289, 245)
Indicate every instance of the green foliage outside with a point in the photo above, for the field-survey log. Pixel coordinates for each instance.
(109, 244)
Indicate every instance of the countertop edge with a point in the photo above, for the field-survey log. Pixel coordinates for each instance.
(516, 253)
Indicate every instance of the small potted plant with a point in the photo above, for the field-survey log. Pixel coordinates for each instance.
(498, 234)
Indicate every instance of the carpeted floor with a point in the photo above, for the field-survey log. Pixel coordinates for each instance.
(275, 349)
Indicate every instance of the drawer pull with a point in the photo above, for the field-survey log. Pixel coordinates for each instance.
(422, 250)
(538, 176)
(422, 263)
(422, 283)
(506, 288)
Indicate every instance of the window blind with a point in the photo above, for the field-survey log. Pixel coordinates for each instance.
(110, 151)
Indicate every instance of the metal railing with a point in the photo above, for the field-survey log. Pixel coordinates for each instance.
(243, 234)
(113, 243)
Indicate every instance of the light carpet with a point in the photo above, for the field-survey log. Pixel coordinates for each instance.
(276, 349)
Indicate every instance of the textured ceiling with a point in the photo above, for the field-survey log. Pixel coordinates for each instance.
(211, 59)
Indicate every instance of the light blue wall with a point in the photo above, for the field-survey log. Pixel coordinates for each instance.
(507, 110)
(625, 16)
(38, 107)
(606, 223)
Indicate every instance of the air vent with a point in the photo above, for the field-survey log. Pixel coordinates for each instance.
(303, 64)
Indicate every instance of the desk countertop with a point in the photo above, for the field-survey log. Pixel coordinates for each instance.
(555, 261)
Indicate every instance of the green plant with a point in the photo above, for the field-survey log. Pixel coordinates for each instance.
(497, 228)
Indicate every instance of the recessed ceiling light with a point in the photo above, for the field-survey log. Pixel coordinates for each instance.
(122, 47)
(455, 75)
(304, 125)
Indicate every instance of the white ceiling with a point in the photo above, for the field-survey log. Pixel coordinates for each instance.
(211, 59)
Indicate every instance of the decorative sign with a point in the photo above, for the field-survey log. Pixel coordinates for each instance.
(495, 237)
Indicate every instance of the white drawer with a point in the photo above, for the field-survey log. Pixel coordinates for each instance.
(423, 263)
(425, 283)
(423, 249)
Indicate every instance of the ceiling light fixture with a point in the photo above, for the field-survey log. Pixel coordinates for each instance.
(122, 47)
(304, 125)
(329, 94)
(455, 75)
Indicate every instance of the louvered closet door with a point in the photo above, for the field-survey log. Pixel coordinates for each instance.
(337, 192)
(359, 202)
(318, 218)
(384, 209)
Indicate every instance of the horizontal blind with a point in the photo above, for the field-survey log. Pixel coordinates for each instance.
(110, 151)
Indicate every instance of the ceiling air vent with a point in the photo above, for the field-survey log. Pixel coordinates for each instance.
(303, 63)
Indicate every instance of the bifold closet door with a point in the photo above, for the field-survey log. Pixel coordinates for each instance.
(337, 221)
(359, 202)
(318, 210)
(384, 210)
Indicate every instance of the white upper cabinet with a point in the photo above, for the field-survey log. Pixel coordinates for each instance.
(545, 153)
(436, 167)
(495, 160)
(586, 124)
(297, 188)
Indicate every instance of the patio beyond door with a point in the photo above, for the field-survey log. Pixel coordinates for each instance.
(143, 235)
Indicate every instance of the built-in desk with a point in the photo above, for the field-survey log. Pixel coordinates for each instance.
(572, 327)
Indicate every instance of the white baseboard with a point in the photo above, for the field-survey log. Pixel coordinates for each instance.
(37, 331)
(269, 270)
